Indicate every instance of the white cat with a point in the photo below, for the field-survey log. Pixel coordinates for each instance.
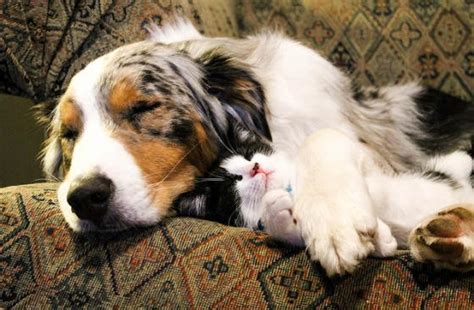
(400, 201)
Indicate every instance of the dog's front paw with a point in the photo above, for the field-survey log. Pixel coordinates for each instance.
(446, 239)
(278, 217)
(339, 241)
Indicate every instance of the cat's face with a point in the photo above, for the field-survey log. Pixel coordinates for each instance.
(258, 175)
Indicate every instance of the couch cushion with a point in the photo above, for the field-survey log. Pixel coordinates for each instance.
(380, 42)
(192, 264)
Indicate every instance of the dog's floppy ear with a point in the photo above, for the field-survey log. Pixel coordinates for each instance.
(235, 86)
(47, 114)
(44, 112)
(51, 158)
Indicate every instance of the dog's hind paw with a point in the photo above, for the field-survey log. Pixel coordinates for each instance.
(446, 239)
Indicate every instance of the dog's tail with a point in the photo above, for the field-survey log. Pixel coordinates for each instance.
(408, 124)
(181, 29)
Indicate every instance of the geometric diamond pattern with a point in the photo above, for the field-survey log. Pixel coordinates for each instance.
(298, 287)
(425, 9)
(385, 65)
(450, 33)
(12, 221)
(17, 277)
(428, 63)
(426, 38)
(319, 33)
(216, 261)
(229, 268)
(341, 57)
(361, 32)
(135, 259)
(405, 33)
(452, 83)
(281, 23)
(382, 10)
(468, 64)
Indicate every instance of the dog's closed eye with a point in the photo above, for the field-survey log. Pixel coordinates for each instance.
(140, 108)
(69, 134)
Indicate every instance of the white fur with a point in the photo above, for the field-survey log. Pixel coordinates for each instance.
(180, 30)
(383, 207)
(407, 199)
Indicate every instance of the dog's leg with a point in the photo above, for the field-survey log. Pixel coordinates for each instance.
(446, 239)
(332, 203)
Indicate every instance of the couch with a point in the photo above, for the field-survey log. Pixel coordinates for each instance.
(191, 263)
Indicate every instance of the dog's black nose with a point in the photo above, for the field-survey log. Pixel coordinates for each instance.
(89, 197)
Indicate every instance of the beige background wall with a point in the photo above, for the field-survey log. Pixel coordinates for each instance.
(20, 142)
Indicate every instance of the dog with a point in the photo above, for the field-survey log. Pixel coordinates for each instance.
(138, 126)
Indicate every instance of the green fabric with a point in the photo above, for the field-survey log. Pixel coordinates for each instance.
(191, 264)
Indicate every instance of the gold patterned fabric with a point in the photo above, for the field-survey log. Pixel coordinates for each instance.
(380, 41)
(188, 263)
(44, 43)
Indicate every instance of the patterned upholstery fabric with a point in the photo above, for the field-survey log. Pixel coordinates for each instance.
(380, 41)
(189, 263)
(44, 43)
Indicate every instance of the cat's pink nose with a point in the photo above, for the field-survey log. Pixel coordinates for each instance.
(257, 168)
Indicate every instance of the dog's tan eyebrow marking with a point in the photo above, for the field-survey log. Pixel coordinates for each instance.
(70, 115)
(124, 95)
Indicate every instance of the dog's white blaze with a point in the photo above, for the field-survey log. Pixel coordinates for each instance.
(96, 151)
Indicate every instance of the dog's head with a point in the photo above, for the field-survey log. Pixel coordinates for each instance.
(135, 128)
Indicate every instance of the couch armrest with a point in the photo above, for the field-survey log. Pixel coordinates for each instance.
(189, 263)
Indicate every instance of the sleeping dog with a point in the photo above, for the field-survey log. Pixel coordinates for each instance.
(138, 127)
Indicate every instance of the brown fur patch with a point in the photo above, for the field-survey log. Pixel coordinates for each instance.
(71, 124)
(123, 96)
(165, 166)
(169, 165)
(70, 115)
(448, 249)
(205, 152)
(445, 227)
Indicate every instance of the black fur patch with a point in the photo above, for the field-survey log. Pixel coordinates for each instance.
(441, 177)
(181, 130)
(239, 92)
(218, 199)
(216, 190)
(448, 122)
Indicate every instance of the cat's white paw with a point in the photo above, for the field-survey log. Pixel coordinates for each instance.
(339, 241)
(278, 217)
(385, 244)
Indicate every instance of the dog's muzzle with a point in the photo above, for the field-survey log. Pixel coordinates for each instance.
(90, 196)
